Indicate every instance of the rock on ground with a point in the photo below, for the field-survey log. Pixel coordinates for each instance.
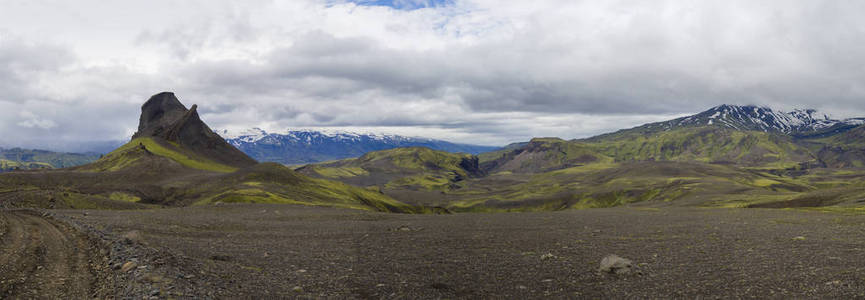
(614, 264)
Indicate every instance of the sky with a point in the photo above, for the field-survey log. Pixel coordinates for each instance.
(476, 71)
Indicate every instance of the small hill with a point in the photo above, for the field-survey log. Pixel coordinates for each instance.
(423, 167)
(421, 172)
(543, 155)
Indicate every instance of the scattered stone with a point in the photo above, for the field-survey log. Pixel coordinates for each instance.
(128, 266)
(613, 264)
(522, 287)
(379, 285)
(297, 289)
(799, 238)
(547, 256)
(131, 237)
(301, 271)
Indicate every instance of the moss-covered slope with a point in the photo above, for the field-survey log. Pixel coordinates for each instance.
(414, 167)
(171, 162)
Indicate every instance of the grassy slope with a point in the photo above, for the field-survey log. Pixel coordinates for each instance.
(119, 158)
(844, 150)
(688, 166)
(709, 144)
(147, 171)
(605, 185)
(274, 183)
(543, 154)
(411, 168)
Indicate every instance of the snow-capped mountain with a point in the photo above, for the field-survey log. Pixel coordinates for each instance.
(796, 122)
(309, 146)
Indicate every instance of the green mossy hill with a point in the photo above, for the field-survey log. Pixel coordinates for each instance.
(274, 183)
(542, 155)
(139, 153)
(148, 180)
(647, 183)
(853, 138)
(708, 144)
(418, 159)
(843, 150)
(711, 144)
(413, 167)
(696, 165)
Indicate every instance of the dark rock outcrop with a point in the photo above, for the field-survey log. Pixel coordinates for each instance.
(164, 117)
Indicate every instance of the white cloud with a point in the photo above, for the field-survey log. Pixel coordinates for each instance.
(31, 120)
(481, 71)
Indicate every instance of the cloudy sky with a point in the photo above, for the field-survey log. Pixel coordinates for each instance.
(477, 71)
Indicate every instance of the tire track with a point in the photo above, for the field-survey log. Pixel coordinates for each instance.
(40, 258)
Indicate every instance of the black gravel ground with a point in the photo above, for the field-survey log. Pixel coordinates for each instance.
(271, 251)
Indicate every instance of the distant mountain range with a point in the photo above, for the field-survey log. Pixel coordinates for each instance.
(728, 156)
(310, 146)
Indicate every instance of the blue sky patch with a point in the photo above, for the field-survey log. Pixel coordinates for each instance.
(403, 4)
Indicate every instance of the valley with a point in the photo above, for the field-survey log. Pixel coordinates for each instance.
(654, 165)
(702, 205)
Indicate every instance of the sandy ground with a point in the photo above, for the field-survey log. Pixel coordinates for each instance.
(294, 251)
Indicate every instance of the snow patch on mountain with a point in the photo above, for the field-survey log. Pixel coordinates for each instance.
(762, 119)
(247, 135)
(314, 145)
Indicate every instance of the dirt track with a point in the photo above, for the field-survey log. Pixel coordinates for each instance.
(40, 258)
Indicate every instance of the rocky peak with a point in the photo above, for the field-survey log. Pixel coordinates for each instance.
(164, 117)
(158, 114)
